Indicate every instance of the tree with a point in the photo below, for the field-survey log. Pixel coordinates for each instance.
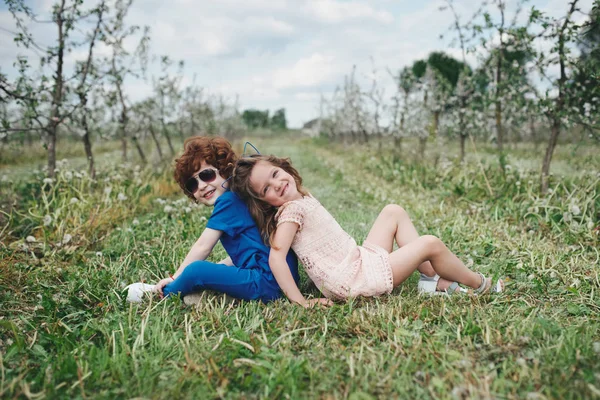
(278, 120)
(121, 65)
(46, 98)
(562, 32)
(255, 118)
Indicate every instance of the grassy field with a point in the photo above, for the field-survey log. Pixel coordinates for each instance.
(70, 246)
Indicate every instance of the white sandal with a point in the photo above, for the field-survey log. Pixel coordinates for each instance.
(136, 291)
(428, 285)
(484, 288)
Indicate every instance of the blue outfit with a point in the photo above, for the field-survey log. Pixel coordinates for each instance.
(250, 278)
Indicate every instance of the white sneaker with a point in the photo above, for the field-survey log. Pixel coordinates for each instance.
(135, 291)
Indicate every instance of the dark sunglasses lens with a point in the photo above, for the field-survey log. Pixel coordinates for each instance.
(191, 185)
(208, 175)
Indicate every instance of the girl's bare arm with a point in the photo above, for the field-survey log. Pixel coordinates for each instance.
(277, 261)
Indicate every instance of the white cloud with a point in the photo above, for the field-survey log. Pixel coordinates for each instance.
(306, 72)
(331, 11)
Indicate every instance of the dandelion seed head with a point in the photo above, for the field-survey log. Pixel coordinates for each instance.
(121, 197)
(67, 238)
(47, 181)
(576, 282)
(575, 210)
(30, 239)
(74, 200)
(47, 220)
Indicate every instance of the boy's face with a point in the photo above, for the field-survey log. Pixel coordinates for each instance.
(208, 192)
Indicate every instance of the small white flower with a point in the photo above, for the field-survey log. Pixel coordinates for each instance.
(98, 254)
(121, 197)
(4, 178)
(107, 190)
(187, 210)
(202, 218)
(135, 222)
(74, 200)
(596, 346)
(590, 225)
(78, 175)
(168, 209)
(67, 238)
(575, 210)
(160, 201)
(68, 175)
(576, 282)
(30, 239)
(47, 220)
(47, 181)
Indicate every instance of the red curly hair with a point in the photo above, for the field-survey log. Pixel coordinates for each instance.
(215, 151)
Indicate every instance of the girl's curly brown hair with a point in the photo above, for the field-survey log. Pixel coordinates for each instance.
(262, 212)
(215, 151)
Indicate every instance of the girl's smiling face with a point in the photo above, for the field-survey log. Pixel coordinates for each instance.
(273, 185)
(208, 193)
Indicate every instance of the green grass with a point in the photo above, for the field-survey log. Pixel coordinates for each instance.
(67, 332)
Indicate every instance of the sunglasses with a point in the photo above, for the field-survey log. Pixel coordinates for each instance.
(206, 175)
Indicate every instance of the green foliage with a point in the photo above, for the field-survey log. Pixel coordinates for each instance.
(448, 67)
(278, 121)
(256, 118)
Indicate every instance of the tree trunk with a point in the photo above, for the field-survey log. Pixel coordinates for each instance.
(555, 131)
(533, 132)
(168, 136)
(422, 145)
(156, 142)
(398, 145)
(437, 137)
(123, 146)
(181, 134)
(87, 145)
(51, 143)
(52, 128)
(463, 139)
(123, 132)
(136, 142)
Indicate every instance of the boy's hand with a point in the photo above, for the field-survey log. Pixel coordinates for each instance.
(161, 284)
(322, 302)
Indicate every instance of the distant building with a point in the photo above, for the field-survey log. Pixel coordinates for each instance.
(312, 128)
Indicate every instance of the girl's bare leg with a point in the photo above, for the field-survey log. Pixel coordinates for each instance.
(405, 260)
(394, 223)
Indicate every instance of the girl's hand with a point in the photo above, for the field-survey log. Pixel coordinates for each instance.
(323, 302)
(161, 284)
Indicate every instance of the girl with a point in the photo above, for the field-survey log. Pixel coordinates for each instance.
(202, 173)
(289, 217)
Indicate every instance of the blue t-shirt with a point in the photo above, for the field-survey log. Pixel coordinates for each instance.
(241, 237)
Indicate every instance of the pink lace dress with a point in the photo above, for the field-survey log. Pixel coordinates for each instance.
(332, 259)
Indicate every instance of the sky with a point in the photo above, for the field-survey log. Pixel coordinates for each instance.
(282, 53)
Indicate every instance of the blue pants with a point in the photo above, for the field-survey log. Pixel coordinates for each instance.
(241, 283)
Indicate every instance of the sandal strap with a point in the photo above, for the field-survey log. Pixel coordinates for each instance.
(481, 288)
(452, 288)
